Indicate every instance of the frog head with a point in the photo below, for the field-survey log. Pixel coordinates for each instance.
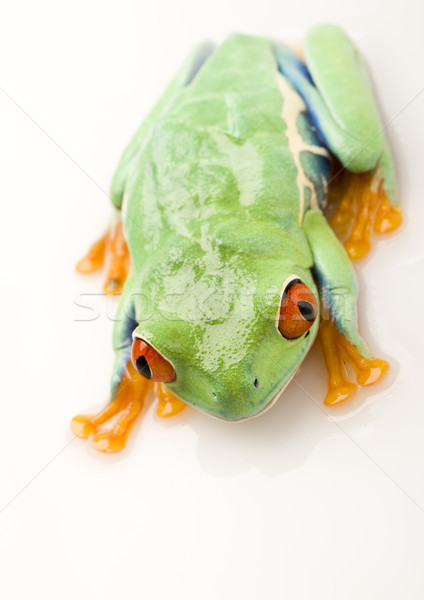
(229, 350)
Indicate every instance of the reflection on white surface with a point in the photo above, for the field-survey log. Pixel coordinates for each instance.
(290, 505)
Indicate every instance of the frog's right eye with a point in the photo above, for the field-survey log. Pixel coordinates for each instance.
(298, 310)
(150, 363)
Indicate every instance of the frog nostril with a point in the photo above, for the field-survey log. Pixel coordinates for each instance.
(256, 383)
(142, 367)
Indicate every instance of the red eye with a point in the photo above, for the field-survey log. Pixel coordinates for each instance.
(298, 311)
(150, 363)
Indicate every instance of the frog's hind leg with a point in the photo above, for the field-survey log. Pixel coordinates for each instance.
(336, 90)
(114, 246)
(362, 207)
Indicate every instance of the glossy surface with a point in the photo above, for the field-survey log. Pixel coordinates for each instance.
(215, 182)
(230, 173)
(192, 490)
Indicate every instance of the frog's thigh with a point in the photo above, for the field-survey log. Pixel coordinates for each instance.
(338, 95)
(347, 112)
(348, 117)
(340, 340)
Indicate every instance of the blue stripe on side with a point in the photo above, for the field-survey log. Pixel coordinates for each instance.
(296, 72)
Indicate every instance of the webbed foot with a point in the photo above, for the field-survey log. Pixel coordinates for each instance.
(364, 207)
(113, 244)
(337, 352)
(122, 411)
(388, 217)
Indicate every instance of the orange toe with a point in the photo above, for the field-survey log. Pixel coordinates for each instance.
(82, 426)
(340, 394)
(94, 258)
(168, 405)
(113, 286)
(88, 265)
(373, 371)
(364, 206)
(388, 217)
(356, 249)
(108, 442)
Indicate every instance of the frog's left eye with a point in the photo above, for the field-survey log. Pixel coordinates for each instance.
(298, 310)
(150, 363)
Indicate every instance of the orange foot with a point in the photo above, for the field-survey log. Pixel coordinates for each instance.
(123, 409)
(338, 351)
(122, 412)
(113, 242)
(363, 206)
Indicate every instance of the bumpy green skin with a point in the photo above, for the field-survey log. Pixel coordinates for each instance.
(213, 217)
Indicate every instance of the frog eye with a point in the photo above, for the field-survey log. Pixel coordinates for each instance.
(298, 310)
(150, 363)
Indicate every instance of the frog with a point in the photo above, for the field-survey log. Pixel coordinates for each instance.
(221, 248)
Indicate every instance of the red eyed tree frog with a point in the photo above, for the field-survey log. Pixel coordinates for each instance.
(228, 265)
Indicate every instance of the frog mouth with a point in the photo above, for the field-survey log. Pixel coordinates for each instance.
(263, 410)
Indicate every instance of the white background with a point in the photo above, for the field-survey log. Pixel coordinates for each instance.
(301, 503)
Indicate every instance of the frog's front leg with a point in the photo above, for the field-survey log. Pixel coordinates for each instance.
(112, 243)
(336, 90)
(339, 337)
(110, 428)
(121, 414)
(338, 351)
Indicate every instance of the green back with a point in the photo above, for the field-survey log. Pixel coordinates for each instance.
(212, 220)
